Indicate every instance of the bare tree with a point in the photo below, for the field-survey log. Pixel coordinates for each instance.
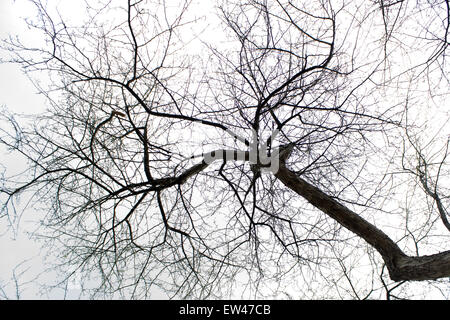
(276, 159)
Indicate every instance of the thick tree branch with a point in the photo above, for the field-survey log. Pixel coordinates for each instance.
(400, 266)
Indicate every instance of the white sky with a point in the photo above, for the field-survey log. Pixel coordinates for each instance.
(18, 95)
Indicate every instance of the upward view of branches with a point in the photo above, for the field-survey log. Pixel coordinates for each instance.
(251, 149)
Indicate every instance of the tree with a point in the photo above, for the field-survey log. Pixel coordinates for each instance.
(289, 155)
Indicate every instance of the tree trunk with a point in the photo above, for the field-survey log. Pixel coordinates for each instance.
(400, 266)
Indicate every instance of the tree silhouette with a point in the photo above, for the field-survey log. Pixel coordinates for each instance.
(152, 159)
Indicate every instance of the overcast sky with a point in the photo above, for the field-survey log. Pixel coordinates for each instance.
(20, 255)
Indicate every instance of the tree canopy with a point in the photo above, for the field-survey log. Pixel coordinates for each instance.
(251, 148)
